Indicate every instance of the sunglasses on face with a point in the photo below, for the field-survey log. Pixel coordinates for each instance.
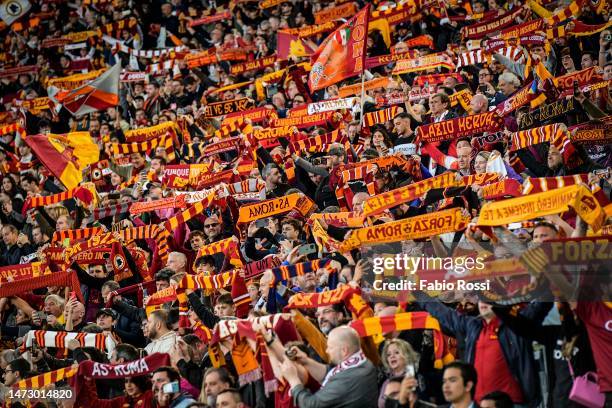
(211, 225)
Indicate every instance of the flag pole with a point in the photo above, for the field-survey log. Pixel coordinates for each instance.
(362, 99)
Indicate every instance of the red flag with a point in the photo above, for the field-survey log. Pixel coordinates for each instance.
(342, 54)
(101, 93)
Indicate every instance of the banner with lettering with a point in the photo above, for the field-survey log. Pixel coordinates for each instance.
(275, 206)
(215, 109)
(254, 65)
(459, 127)
(542, 204)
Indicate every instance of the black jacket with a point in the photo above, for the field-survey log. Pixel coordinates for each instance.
(517, 350)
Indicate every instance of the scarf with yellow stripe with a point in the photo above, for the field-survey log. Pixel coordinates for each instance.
(380, 116)
(229, 247)
(297, 201)
(418, 227)
(373, 326)
(45, 379)
(86, 193)
(73, 235)
(556, 134)
(551, 202)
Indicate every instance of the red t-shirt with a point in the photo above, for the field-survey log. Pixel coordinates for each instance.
(597, 317)
(491, 366)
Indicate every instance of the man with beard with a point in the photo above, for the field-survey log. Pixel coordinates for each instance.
(329, 317)
(162, 338)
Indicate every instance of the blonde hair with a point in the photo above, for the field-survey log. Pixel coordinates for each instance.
(411, 356)
(58, 211)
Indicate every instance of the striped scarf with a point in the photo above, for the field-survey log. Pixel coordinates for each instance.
(128, 183)
(76, 234)
(86, 192)
(292, 202)
(481, 56)
(372, 326)
(229, 247)
(556, 134)
(21, 286)
(573, 10)
(380, 116)
(344, 194)
(537, 185)
(151, 132)
(285, 273)
(137, 288)
(240, 126)
(12, 128)
(154, 232)
(48, 378)
(317, 143)
(138, 147)
(246, 186)
(108, 211)
(197, 208)
(351, 298)
(59, 339)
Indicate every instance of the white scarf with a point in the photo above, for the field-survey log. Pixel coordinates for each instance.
(352, 361)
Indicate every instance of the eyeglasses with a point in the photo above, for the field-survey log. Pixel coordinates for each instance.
(211, 225)
(8, 370)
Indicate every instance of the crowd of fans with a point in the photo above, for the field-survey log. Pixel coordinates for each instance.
(527, 355)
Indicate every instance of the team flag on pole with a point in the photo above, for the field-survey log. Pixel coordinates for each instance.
(101, 93)
(65, 155)
(342, 54)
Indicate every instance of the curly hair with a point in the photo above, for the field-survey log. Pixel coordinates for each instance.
(411, 356)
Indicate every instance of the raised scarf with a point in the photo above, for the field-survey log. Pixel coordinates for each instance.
(255, 65)
(488, 27)
(94, 256)
(137, 288)
(380, 116)
(418, 227)
(218, 16)
(302, 204)
(351, 298)
(76, 234)
(310, 31)
(373, 62)
(556, 134)
(377, 204)
(19, 272)
(223, 108)
(256, 115)
(595, 132)
(71, 82)
(400, 13)
(305, 121)
(161, 204)
(502, 189)
(171, 224)
(86, 193)
(459, 127)
(151, 132)
(229, 247)
(109, 211)
(138, 147)
(550, 202)
(546, 112)
(344, 194)
(528, 94)
(372, 326)
(330, 14)
(59, 339)
(436, 79)
(482, 56)
(425, 63)
(256, 268)
(539, 184)
(355, 89)
(48, 378)
(19, 287)
(316, 143)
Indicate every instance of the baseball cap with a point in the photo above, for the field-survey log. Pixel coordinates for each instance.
(107, 311)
